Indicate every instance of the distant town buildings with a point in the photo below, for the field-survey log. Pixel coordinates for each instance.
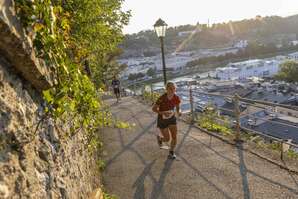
(185, 33)
(247, 79)
(175, 62)
(293, 56)
(250, 68)
(278, 122)
(241, 44)
(294, 42)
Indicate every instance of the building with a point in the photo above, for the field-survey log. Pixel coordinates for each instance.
(185, 33)
(174, 62)
(241, 44)
(293, 56)
(275, 125)
(246, 69)
(294, 42)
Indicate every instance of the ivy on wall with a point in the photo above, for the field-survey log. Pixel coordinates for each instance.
(74, 37)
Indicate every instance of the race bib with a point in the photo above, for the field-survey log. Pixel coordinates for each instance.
(169, 115)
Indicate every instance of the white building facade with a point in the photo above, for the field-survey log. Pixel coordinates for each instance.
(250, 68)
(174, 63)
(293, 56)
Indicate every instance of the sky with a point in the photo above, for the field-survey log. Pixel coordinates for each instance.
(182, 12)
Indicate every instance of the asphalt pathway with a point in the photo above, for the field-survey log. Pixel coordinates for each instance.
(207, 167)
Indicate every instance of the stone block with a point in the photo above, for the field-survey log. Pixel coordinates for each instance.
(4, 191)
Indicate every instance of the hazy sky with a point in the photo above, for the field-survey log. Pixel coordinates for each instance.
(181, 12)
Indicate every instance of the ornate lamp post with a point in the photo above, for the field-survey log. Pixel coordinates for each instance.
(160, 28)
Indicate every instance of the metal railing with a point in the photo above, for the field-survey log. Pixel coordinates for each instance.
(263, 106)
(237, 114)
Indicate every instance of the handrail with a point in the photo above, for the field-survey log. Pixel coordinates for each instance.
(271, 137)
(260, 133)
(257, 103)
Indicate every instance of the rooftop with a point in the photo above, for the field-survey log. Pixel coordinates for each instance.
(282, 131)
(248, 62)
(268, 96)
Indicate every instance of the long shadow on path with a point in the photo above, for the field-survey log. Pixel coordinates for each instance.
(129, 145)
(245, 170)
(158, 186)
(140, 181)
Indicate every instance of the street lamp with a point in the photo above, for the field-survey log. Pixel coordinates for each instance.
(160, 28)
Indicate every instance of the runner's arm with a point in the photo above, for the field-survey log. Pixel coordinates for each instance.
(156, 105)
(178, 110)
(155, 109)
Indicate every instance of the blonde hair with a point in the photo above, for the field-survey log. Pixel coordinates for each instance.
(170, 84)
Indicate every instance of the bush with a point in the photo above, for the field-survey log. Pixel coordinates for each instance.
(150, 96)
(209, 120)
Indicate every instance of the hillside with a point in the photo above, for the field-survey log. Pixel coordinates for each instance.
(266, 30)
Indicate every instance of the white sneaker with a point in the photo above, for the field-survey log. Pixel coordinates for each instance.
(166, 147)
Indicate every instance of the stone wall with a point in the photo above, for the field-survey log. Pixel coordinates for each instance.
(17, 46)
(34, 162)
(42, 164)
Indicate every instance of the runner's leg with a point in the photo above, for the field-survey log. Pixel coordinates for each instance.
(173, 131)
(165, 134)
(117, 94)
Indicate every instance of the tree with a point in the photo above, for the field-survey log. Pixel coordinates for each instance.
(288, 72)
(151, 72)
(135, 76)
(75, 38)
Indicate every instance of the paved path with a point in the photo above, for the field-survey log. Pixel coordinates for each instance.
(137, 168)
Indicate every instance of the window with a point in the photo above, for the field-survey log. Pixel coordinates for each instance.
(266, 72)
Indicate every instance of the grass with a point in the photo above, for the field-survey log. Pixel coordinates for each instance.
(101, 164)
(292, 154)
(208, 122)
(108, 196)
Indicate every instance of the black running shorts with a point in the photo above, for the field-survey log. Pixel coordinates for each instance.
(164, 123)
(116, 90)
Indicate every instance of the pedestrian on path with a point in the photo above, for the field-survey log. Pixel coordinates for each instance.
(116, 87)
(166, 119)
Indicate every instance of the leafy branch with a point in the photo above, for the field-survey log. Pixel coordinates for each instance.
(64, 33)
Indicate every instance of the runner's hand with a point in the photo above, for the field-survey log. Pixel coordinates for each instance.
(179, 114)
(167, 114)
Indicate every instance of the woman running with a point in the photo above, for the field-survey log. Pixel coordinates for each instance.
(116, 87)
(166, 119)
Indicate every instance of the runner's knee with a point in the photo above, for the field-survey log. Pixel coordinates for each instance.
(166, 138)
(173, 131)
(174, 136)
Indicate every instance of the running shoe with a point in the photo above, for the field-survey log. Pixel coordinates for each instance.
(172, 155)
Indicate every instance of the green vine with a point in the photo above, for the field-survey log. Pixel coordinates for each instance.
(67, 35)
(211, 121)
(150, 96)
